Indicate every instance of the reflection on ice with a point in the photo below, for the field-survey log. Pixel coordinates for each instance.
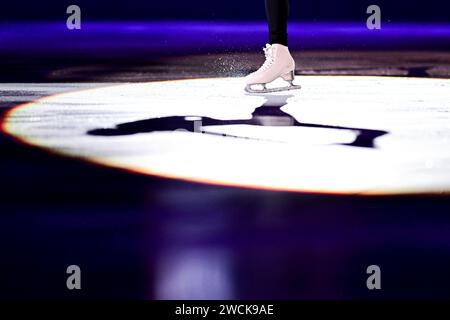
(193, 274)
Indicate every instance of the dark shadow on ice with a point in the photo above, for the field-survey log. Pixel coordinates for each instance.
(269, 114)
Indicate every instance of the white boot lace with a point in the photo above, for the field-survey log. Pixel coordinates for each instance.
(268, 52)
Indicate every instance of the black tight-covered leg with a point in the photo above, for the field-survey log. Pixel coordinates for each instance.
(277, 14)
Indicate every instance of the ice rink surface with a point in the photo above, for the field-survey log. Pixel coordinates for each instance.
(79, 107)
(338, 134)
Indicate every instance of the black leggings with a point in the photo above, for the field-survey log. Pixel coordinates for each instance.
(277, 14)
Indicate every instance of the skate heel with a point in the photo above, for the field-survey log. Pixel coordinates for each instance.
(290, 76)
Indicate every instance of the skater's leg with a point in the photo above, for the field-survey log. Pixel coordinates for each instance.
(279, 61)
(277, 15)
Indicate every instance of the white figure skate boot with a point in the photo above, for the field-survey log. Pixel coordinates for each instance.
(279, 64)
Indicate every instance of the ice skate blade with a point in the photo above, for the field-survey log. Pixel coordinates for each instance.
(249, 89)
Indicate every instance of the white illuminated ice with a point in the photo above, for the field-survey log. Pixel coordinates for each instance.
(414, 155)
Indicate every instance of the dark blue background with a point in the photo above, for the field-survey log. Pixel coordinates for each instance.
(309, 10)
